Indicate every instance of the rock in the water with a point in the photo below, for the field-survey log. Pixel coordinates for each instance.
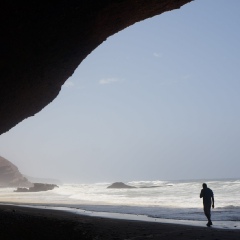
(150, 187)
(10, 175)
(43, 180)
(37, 187)
(120, 185)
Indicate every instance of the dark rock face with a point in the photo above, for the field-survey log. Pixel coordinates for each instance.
(37, 187)
(10, 175)
(42, 43)
(120, 185)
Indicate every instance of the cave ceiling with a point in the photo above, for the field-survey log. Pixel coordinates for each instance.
(43, 42)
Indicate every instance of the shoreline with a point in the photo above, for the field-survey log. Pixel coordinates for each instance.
(75, 209)
(34, 222)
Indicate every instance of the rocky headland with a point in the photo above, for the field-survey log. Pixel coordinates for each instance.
(10, 176)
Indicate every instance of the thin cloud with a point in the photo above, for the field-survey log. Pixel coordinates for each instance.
(105, 81)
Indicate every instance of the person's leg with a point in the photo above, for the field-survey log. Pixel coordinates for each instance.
(207, 211)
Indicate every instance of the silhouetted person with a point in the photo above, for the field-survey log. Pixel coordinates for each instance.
(208, 201)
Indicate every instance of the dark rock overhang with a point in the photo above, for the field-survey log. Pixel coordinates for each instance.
(43, 42)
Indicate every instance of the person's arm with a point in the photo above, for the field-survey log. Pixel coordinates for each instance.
(212, 201)
(201, 194)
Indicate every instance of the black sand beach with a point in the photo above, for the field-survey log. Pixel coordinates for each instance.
(22, 223)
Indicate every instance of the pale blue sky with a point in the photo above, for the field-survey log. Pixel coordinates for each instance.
(159, 100)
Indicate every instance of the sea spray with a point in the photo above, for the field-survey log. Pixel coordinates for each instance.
(157, 199)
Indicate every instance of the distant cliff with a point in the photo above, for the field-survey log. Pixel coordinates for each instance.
(10, 175)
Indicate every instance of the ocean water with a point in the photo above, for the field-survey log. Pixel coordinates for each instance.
(172, 200)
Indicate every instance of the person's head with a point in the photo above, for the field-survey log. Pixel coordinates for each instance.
(204, 185)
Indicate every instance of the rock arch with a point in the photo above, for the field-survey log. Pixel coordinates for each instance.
(43, 43)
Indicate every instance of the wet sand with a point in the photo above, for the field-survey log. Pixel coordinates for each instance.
(22, 223)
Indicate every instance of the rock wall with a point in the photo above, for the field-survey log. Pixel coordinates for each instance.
(43, 42)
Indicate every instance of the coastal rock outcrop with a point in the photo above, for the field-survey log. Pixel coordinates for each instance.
(37, 187)
(43, 42)
(120, 185)
(10, 175)
(43, 180)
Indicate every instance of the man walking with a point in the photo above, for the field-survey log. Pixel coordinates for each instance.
(208, 200)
